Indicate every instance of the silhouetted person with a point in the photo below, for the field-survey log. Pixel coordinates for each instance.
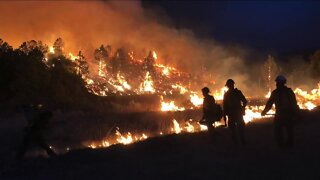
(208, 117)
(286, 110)
(37, 119)
(234, 104)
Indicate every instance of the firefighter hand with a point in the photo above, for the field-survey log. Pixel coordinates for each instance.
(263, 113)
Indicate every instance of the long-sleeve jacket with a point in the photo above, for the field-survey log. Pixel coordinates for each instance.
(284, 100)
(207, 106)
(234, 102)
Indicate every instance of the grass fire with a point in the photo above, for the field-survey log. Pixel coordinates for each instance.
(106, 82)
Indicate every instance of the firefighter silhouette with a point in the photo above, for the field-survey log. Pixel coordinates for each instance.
(208, 117)
(37, 118)
(286, 110)
(234, 103)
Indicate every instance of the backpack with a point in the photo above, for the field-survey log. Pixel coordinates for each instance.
(217, 112)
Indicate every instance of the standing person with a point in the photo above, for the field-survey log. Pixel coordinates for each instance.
(286, 109)
(208, 106)
(37, 119)
(234, 104)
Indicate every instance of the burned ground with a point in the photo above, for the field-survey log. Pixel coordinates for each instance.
(186, 156)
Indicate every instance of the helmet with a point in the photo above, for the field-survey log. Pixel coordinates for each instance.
(230, 81)
(281, 79)
(205, 90)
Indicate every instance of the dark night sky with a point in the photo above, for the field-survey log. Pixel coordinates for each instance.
(269, 25)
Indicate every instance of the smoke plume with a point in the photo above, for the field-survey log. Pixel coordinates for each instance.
(85, 25)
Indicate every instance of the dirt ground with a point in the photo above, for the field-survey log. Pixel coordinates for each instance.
(184, 156)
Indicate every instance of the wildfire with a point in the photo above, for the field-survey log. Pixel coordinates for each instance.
(176, 127)
(218, 95)
(308, 100)
(170, 106)
(147, 85)
(181, 89)
(196, 100)
(123, 82)
(166, 71)
(72, 57)
(254, 112)
(51, 49)
(120, 138)
(189, 126)
(154, 54)
(124, 139)
(268, 95)
(102, 66)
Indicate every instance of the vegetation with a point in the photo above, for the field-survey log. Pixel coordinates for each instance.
(27, 76)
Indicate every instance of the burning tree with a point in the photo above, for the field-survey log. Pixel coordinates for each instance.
(102, 56)
(82, 67)
(58, 47)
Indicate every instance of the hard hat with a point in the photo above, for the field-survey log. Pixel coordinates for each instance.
(230, 81)
(205, 90)
(281, 78)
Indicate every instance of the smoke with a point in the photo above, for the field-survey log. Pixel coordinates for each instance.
(85, 25)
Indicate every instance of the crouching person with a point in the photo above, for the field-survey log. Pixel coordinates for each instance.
(37, 119)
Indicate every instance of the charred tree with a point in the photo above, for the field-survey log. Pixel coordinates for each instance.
(102, 55)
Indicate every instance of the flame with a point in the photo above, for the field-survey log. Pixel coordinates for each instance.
(166, 71)
(72, 57)
(182, 89)
(114, 83)
(123, 82)
(218, 95)
(102, 66)
(124, 139)
(154, 54)
(170, 106)
(147, 85)
(196, 100)
(254, 112)
(176, 127)
(268, 95)
(189, 128)
(203, 127)
(308, 100)
(51, 49)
